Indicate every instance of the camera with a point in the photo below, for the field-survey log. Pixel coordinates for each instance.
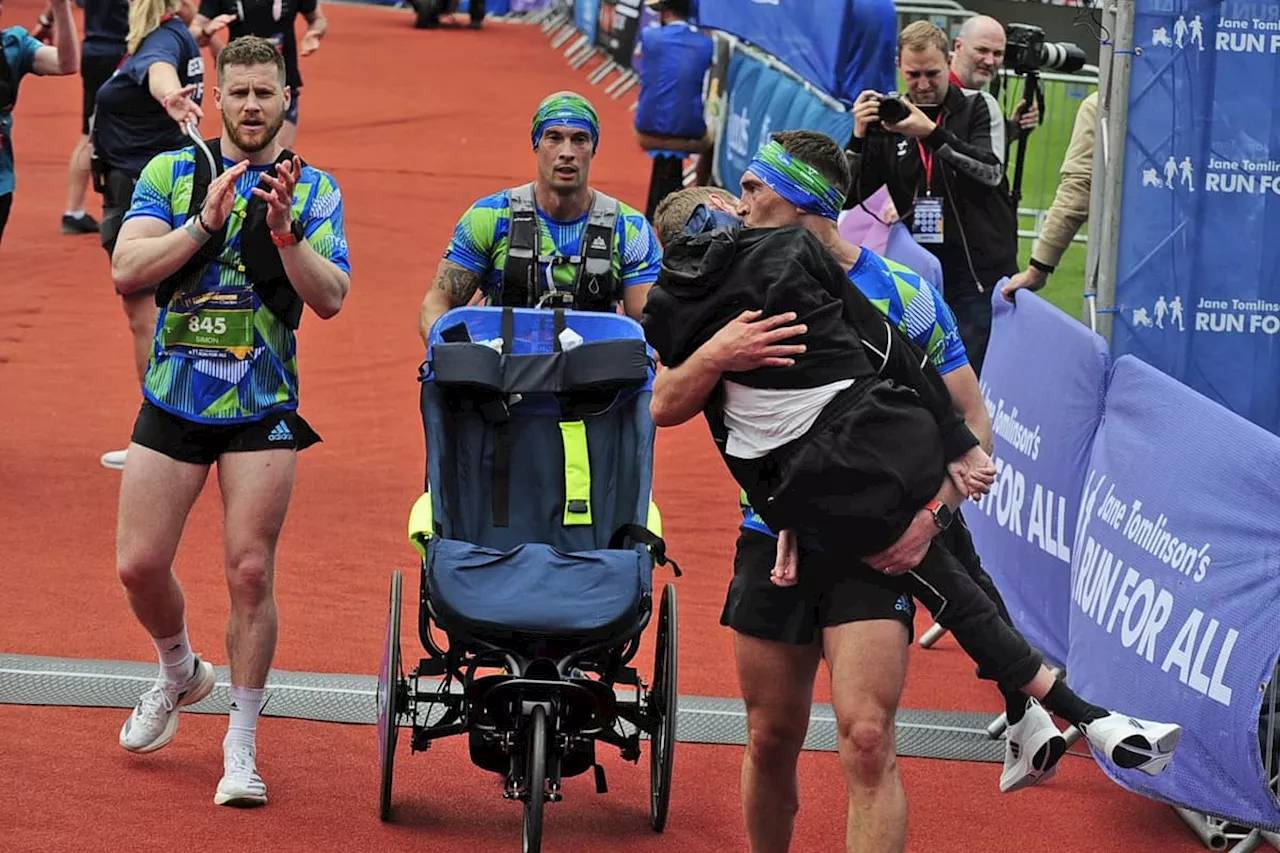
(892, 110)
(1026, 51)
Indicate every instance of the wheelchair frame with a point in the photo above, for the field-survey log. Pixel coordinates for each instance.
(538, 711)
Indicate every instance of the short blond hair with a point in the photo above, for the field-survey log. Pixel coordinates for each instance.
(674, 211)
(922, 35)
(247, 51)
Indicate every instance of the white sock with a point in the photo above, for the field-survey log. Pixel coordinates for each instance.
(74, 213)
(246, 704)
(176, 664)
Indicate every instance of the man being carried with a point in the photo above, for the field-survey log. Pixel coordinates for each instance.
(837, 601)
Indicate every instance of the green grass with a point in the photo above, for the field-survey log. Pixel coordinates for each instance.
(1048, 145)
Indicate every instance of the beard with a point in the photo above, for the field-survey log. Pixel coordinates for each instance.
(237, 134)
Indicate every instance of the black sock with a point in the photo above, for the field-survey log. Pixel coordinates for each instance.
(1015, 705)
(1062, 701)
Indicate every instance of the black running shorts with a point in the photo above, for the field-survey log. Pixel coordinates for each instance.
(829, 591)
(202, 444)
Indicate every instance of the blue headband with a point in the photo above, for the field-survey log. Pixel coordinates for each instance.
(796, 181)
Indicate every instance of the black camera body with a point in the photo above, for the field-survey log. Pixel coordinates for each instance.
(892, 109)
(1027, 52)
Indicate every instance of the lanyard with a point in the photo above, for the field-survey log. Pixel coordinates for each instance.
(926, 157)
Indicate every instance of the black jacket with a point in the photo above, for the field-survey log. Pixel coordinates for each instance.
(969, 150)
(708, 279)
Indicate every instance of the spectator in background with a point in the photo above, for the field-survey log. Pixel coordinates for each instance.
(979, 52)
(106, 28)
(1070, 208)
(944, 164)
(22, 54)
(670, 118)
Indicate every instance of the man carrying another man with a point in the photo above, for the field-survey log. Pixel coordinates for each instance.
(843, 611)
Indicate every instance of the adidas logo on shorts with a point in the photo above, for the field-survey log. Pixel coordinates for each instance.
(280, 433)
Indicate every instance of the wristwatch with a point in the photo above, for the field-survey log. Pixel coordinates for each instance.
(942, 514)
(295, 235)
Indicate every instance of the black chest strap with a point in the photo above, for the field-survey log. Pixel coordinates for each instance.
(596, 287)
(261, 258)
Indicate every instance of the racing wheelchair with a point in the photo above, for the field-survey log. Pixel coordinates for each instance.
(538, 540)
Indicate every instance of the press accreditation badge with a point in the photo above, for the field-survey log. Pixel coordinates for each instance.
(926, 220)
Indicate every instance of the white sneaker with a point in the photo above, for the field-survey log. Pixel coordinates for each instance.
(154, 720)
(1032, 748)
(240, 785)
(114, 459)
(1134, 744)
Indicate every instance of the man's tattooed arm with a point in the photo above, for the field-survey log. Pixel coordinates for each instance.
(453, 287)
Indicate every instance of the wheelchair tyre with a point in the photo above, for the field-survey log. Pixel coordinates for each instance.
(388, 694)
(535, 780)
(663, 698)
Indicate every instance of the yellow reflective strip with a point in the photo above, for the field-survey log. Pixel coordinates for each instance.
(577, 474)
(655, 519)
(421, 519)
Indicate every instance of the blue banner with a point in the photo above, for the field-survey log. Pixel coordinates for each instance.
(1198, 268)
(1175, 578)
(762, 101)
(840, 46)
(1043, 421)
(585, 15)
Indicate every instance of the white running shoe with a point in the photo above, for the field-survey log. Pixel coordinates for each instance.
(1032, 748)
(114, 459)
(154, 720)
(240, 785)
(1134, 744)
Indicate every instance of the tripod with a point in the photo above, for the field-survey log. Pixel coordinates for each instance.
(1031, 92)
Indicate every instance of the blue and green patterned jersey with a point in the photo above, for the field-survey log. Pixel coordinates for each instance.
(480, 244)
(220, 356)
(916, 308)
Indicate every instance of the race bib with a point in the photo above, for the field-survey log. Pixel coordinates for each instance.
(926, 221)
(210, 325)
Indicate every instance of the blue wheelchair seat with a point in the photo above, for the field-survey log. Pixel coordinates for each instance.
(536, 519)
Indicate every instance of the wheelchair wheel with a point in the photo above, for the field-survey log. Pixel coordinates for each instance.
(535, 780)
(388, 694)
(662, 709)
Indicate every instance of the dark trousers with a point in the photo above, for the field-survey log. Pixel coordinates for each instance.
(6, 204)
(429, 12)
(973, 317)
(964, 600)
(666, 177)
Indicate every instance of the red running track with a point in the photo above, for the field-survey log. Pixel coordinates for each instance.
(414, 125)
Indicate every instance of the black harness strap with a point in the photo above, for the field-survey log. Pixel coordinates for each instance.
(502, 440)
(261, 257)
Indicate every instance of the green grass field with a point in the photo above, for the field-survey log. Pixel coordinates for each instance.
(1048, 144)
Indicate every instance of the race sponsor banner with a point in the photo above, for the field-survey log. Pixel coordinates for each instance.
(1198, 267)
(1175, 579)
(1043, 422)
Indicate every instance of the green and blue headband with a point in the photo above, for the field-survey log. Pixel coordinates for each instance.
(566, 109)
(796, 181)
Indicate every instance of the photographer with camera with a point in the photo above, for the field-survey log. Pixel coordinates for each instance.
(941, 152)
(979, 53)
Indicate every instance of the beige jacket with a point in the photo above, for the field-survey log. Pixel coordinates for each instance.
(1070, 206)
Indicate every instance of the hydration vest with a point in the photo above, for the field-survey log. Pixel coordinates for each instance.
(260, 257)
(595, 288)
